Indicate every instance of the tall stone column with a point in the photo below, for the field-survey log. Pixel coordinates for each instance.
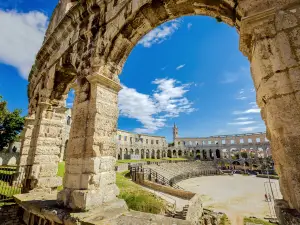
(90, 179)
(45, 148)
(271, 40)
(26, 156)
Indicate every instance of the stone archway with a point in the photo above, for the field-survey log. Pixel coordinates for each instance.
(87, 47)
(169, 154)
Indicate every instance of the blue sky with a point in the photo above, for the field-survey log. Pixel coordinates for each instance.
(189, 71)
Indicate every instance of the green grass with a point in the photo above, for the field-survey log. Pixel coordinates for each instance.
(137, 198)
(61, 169)
(7, 190)
(224, 220)
(256, 221)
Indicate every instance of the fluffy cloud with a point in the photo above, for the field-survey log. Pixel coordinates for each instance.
(21, 37)
(180, 66)
(160, 34)
(152, 112)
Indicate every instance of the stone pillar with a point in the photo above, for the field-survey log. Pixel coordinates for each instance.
(26, 154)
(45, 148)
(271, 40)
(90, 179)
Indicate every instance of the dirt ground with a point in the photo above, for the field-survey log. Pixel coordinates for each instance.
(237, 195)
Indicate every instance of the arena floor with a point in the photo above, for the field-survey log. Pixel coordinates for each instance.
(237, 195)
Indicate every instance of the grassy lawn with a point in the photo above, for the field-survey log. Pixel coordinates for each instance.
(136, 198)
(256, 221)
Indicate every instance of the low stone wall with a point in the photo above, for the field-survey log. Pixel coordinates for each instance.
(186, 176)
(168, 190)
(10, 159)
(9, 215)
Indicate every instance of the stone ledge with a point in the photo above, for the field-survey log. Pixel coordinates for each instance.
(45, 207)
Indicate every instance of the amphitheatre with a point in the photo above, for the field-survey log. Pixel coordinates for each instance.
(85, 48)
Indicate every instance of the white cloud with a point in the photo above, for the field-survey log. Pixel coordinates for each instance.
(168, 101)
(241, 98)
(180, 66)
(160, 34)
(243, 118)
(248, 111)
(21, 37)
(242, 123)
(231, 77)
(248, 129)
(189, 26)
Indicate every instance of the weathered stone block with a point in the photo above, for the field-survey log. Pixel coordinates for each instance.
(49, 182)
(285, 20)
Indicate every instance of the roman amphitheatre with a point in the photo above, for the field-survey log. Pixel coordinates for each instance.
(85, 48)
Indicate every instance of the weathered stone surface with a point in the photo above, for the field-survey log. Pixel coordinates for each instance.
(269, 37)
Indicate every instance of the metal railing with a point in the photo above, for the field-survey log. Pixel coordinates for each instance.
(12, 181)
(153, 176)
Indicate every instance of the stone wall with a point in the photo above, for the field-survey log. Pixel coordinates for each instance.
(9, 215)
(168, 190)
(9, 158)
(195, 211)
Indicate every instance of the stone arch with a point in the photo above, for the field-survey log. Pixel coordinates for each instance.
(131, 152)
(143, 154)
(169, 154)
(174, 153)
(120, 154)
(211, 155)
(204, 155)
(218, 154)
(179, 153)
(137, 152)
(147, 154)
(87, 39)
(153, 154)
(158, 155)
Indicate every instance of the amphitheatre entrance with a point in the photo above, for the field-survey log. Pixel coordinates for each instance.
(85, 48)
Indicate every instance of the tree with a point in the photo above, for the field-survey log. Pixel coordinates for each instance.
(11, 124)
